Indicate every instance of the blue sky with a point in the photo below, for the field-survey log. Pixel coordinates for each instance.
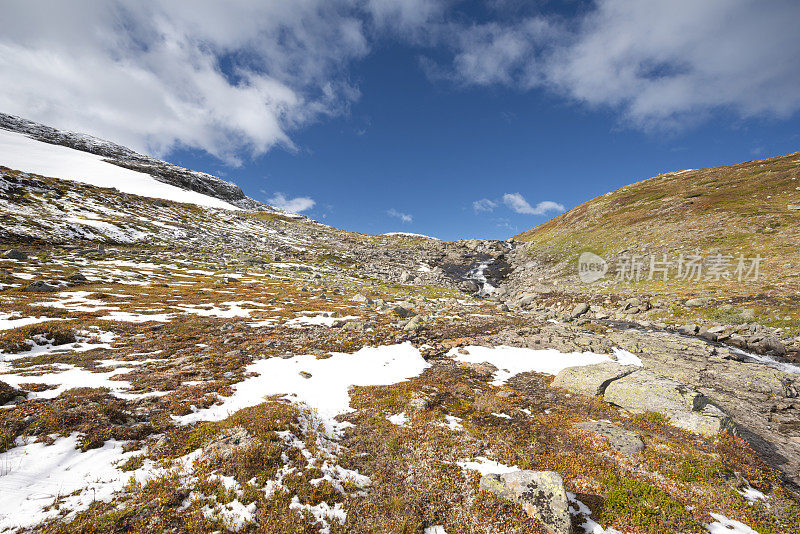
(451, 119)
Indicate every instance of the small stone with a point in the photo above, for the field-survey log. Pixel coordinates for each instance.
(622, 441)
(305, 374)
(773, 345)
(418, 403)
(707, 335)
(696, 302)
(483, 369)
(362, 298)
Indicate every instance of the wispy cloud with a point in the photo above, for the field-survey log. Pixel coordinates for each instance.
(484, 205)
(516, 202)
(404, 217)
(293, 205)
(658, 64)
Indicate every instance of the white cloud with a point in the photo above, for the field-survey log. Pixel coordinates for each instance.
(293, 205)
(660, 64)
(404, 217)
(484, 205)
(516, 202)
(237, 78)
(231, 78)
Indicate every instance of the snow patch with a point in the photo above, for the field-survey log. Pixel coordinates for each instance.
(326, 389)
(511, 361)
(22, 153)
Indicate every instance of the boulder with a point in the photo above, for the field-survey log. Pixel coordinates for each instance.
(356, 326)
(9, 393)
(40, 287)
(697, 302)
(407, 277)
(622, 441)
(470, 286)
(773, 345)
(591, 380)
(541, 494)
(403, 312)
(644, 391)
(579, 310)
(362, 298)
(688, 329)
(15, 254)
(414, 324)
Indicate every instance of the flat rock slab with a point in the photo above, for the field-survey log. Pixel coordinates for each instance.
(541, 494)
(592, 380)
(623, 441)
(644, 391)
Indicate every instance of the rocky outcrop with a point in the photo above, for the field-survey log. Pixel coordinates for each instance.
(592, 379)
(541, 494)
(644, 391)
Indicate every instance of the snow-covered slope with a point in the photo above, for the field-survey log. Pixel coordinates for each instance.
(19, 152)
(120, 156)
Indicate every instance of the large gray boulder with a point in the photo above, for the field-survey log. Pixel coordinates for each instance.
(579, 310)
(592, 380)
(541, 494)
(644, 391)
(623, 441)
(15, 254)
(40, 287)
(9, 393)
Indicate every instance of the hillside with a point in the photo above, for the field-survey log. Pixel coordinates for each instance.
(741, 212)
(751, 208)
(179, 365)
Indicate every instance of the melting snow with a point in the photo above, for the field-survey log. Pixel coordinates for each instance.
(723, 525)
(33, 475)
(399, 419)
(326, 390)
(486, 466)
(511, 361)
(8, 320)
(589, 525)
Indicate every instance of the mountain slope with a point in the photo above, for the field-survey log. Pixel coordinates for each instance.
(199, 182)
(749, 209)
